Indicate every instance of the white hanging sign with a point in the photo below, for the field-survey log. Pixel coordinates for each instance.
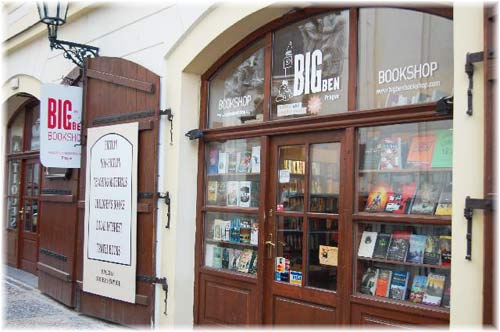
(60, 125)
(110, 243)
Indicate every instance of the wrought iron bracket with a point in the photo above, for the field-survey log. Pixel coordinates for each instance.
(74, 51)
(170, 117)
(155, 280)
(470, 59)
(166, 197)
(472, 204)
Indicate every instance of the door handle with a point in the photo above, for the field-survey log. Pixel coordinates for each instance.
(21, 212)
(270, 244)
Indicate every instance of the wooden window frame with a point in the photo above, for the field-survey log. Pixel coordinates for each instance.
(348, 121)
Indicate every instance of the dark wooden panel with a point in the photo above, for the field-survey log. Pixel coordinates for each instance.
(58, 198)
(370, 315)
(30, 249)
(54, 272)
(56, 288)
(227, 302)
(11, 247)
(121, 80)
(292, 312)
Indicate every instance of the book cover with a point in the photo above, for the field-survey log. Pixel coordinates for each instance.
(209, 255)
(223, 162)
(233, 162)
(381, 246)
(426, 197)
(369, 154)
(403, 191)
(226, 225)
(245, 193)
(254, 198)
(234, 235)
(398, 249)
(417, 248)
(432, 254)
(254, 233)
(399, 285)
(421, 151)
(434, 289)
(369, 281)
(218, 229)
(232, 193)
(225, 258)
(245, 162)
(390, 155)
(367, 244)
(245, 230)
(217, 260)
(234, 259)
(377, 199)
(253, 263)
(245, 260)
(212, 192)
(446, 295)
(445, 249)
(418, 288)
(255, 159)
(444, 205)
(443, 149)
(213, 161)
(383, 283)
(221, 193)
(328, 255)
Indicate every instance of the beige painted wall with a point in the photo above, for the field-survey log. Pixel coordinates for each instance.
(468, 160)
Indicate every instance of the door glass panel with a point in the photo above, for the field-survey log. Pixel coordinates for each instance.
(322, 253)
(291, 174)
(288, 260)
(36, 176)
(28, 180)
(35, 129)
(12, 203)
(27, 215)
(16, 134)
(13, 193)
(324, 177)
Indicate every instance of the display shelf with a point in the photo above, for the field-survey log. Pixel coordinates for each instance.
(248, 245)
(232, 175)
(385, 261)
(387, 217)
(233, 275)
(230, 209)
(409, 170)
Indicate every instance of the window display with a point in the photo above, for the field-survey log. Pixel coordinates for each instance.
(406, 169)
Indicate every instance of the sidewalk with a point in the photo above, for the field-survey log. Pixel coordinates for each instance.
(25, 307)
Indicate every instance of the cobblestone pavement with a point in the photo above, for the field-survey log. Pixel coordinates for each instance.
(25, 307)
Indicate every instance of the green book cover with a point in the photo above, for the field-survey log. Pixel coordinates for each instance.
(443, 149)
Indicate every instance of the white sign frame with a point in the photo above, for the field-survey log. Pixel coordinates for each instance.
(111, 199)
(60, 133)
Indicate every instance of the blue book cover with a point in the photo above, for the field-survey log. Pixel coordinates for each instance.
(399, 285)
(417, 248)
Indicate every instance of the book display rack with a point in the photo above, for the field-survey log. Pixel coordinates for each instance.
(232, 196)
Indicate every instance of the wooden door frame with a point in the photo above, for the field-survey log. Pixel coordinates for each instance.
(338, 299)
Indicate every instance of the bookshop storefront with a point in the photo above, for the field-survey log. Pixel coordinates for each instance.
(325, 170)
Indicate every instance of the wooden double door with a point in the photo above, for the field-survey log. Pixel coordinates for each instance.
(304, 251)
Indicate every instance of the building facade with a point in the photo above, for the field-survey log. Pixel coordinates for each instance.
(298, 141)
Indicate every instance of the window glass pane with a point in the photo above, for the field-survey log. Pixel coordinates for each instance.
(237, 90)
(405, 57)
(324, 177)
(13, 193)
(16, 133)
(35, 129)
(323, 253)
(231, 242)
(233, 173)
(310, 67)
(291, 178)
(406, 168)
(404, 262)
(288, 259)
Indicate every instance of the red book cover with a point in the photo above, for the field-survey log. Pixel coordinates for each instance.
(383, 283)
(408, 192)
(377, 199)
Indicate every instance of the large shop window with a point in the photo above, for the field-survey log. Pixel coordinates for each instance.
(310, 67)
(405, 57)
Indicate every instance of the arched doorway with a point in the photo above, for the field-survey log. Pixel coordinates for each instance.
(23, 184)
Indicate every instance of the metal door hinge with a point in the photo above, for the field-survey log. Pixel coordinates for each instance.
(155, 280)
(472, 204)
(470, 59)
(166, 197)
(170, 117)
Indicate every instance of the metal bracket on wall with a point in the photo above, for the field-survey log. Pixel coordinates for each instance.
(170, 117)
(472, 204)
(155, 280)
(166, 197)
(470, 59)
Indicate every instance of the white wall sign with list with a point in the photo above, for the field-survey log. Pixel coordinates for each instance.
(110, 243)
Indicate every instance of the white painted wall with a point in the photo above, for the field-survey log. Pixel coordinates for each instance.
(468, 160)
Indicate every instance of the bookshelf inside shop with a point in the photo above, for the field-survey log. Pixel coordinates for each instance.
(402, 227)
(231, 226)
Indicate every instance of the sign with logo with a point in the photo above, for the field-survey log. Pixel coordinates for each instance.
(110, 242)
(60, 125)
